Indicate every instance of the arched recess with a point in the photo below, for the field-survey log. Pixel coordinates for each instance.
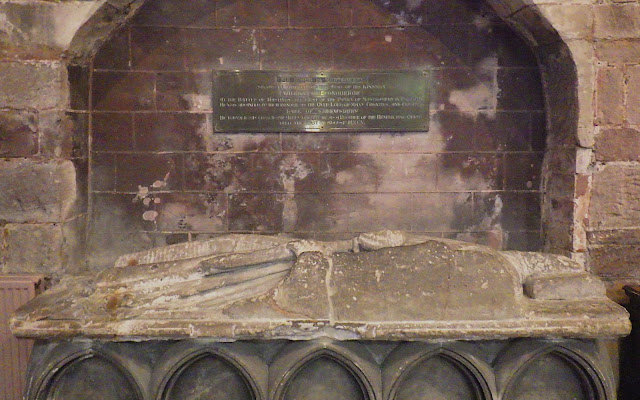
(426, 370)
(561, 369)
(324, 369)
(559, 77)
(78, 371)
(192, 370)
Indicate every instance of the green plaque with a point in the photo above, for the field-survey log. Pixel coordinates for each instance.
(280, 101)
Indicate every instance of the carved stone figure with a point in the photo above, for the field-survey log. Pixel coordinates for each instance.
(382, 285)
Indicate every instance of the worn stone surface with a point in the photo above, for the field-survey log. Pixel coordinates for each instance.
(610, 95)
(18, 134)
(377, 285)
(29, 248)
(52, 249)
(615, 261)
(633, 95)
(622, 144)
(616, 197)
(618, 51)
(564, 287)
(37, 191)
(38, 85)
(614, 21)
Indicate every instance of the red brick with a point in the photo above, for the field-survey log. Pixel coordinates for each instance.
(266, 13)
(524, 171)
(222, 49)
(437, 46)
(501, 131)
(513, 83)
(370, 49)
(354, 173)
(114, 54)
(203, 212)
(255, 212)
(112, 131)
(309, 172)
(324, 212)
(103, 172)
(520, 211)
(180, 91)
(122, 91)
(440, 211)
(192, 13)
(291, 49)
(317, 142)
(319, 13)
(469, 171)
(371, 13)
(400, 172)
(157, 49)
(216, 172)
(135, 170)
(524, 241)
(157, 132)
(372, 210)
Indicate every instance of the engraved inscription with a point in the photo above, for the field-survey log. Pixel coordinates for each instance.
(271, 101)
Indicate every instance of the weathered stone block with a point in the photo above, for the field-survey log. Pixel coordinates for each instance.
(632, 107)
(618, 51)
(18, 134)
(615, 261)
(564, 287)
(56, 132)
(572, 21)
(616, 197)
(49, 249)
(33, 85)
(583, 54)
(617, 20)
(30, 248)
(37, 191)
(618, 145)
(624, 237)
(610, 96)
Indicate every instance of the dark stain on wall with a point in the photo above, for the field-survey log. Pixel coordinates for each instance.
(159, 174)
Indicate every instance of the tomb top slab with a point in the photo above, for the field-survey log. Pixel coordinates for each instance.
(385, 285)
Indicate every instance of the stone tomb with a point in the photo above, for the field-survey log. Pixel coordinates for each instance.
(386, 315)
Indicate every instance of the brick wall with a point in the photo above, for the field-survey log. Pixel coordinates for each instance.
(614, 224)
(588, 55)
(160, 175)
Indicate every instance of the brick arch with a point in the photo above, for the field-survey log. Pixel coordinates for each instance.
(563, 231)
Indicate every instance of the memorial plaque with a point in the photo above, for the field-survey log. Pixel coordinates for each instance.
(280, 101)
